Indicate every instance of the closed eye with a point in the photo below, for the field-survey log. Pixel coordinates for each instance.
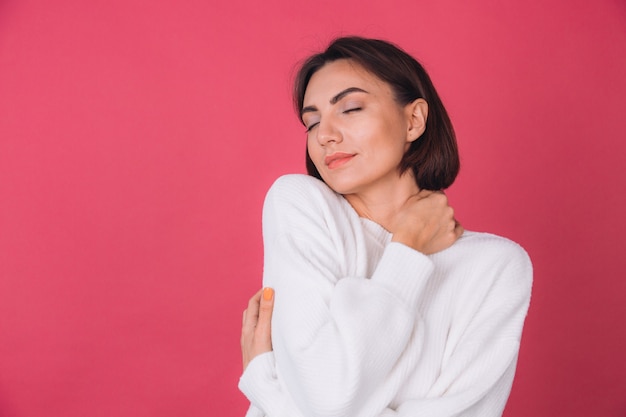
(354, 109)
(309, 128)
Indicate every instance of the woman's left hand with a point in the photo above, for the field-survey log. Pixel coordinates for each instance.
(256, 336)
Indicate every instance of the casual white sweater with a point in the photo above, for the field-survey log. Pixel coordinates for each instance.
(366, 327)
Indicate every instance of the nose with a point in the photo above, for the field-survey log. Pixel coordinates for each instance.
(327, 132)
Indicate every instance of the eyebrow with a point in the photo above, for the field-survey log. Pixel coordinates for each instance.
(335, 99)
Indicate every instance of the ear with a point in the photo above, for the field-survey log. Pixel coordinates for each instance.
(417, 114)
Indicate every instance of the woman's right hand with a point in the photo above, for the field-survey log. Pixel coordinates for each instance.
(426, 223)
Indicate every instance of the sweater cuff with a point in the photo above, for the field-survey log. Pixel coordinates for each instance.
(259, 382)
(404, 271)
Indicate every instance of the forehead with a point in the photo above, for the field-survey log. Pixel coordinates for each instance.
(338, 75)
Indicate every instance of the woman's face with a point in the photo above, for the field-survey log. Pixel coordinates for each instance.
(357, 133)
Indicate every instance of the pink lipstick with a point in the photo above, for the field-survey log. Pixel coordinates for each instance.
(337, 159)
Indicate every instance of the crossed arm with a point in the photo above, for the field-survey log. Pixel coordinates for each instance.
(332, 311)
(475, 382)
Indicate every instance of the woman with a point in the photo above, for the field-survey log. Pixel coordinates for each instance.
(384, 306)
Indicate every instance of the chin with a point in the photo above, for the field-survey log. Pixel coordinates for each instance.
(341, 187)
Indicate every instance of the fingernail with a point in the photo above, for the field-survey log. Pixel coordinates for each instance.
(268, 293)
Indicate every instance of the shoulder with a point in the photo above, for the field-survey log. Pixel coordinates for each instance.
(490, 245)
(297, 201)
(299, 185)
(487, 270)
(486, 251)
(301, 193)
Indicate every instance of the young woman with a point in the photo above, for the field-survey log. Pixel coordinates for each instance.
(384, 306)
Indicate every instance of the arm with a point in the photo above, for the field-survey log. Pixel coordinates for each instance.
(332, 336)
(332, 339)
(476, 378)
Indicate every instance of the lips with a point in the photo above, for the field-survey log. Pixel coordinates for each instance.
(337, 159)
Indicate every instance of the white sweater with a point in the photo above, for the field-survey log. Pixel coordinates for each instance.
(366, 327)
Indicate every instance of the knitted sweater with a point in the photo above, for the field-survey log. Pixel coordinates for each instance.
(366, 327)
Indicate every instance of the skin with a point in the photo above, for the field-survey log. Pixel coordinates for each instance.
(357, 134)
(257, 326)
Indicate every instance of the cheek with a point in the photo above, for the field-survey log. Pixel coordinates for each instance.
(314, 151)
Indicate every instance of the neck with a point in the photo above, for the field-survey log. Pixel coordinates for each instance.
(382, 203)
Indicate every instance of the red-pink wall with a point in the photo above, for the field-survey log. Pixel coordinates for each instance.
(137, 140)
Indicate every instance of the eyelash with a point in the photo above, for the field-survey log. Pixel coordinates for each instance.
(308, 129)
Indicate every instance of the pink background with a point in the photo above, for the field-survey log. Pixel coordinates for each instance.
(138, 138)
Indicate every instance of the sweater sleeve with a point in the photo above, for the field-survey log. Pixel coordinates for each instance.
(478, 368)
(336, 337)
(339, 336)
(477, 373)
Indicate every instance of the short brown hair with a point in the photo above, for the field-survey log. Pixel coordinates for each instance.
(434, 157)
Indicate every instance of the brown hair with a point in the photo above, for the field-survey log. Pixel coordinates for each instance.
(434, 156)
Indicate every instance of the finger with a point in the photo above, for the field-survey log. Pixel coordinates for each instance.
(252, 312)
(434, 198)
(267, 303)
(458, 229)
(423, 193)
(264, 323)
